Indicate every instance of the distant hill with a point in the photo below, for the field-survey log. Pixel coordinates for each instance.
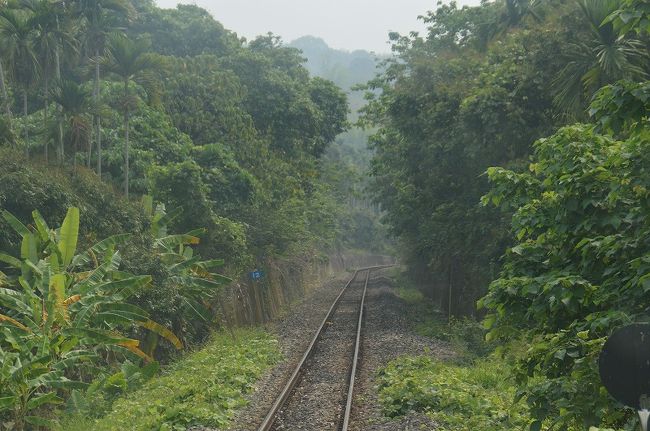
(345, 68)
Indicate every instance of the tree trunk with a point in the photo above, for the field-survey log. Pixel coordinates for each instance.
(451, 285)
(90, 151)
(99, 121)
(60, 138)
(5, 96)
(25, 118)
(126, 138)
(46, 98)
(57, 64)
(126, 153)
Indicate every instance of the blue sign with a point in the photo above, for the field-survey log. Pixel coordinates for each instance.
(256, 275)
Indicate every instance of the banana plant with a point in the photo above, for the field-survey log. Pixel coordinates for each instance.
(200, 285)
(61, 311)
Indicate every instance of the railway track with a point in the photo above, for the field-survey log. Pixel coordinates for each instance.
(319, 393)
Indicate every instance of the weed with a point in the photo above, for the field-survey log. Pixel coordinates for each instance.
(204, 388)
(477, 397)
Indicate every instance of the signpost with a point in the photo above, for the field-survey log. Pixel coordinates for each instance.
(256, 275)
(624, 366)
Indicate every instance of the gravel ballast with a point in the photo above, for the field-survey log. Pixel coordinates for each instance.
(294, 331)
(316, 403)
(387, 334)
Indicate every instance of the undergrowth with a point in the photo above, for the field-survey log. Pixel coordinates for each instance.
(475, 390)
(204, 388)
(471, 391)
(458, 397)
(466, 335)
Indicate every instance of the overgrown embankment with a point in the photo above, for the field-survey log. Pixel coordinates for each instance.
(471, 389)
(205, 387)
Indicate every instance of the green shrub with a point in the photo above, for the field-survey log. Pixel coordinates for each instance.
(27, 185)
(61, 313)
(466, 335)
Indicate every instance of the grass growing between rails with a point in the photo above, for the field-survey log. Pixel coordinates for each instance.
(204, 388)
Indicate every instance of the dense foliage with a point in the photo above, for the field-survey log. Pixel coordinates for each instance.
(346, 162)
(195, 153)
(469, 386)
(450, 108)
(475, 92)
(61, 311)
(578, 267)
(573, 267)
(156, 98)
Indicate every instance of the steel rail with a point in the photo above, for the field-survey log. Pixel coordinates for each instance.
(355, 359)
(270, 417)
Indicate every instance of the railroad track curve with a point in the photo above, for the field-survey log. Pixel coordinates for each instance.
(326, 373)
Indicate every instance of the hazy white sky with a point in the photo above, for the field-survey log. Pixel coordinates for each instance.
(345, 24)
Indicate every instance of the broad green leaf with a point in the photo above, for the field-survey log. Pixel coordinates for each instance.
(40, 421)
(95, 336)
(57, 297)
(124, 287)
(100, 249)
(147, 204)
(28, 248)
(16, 263)
(14, 322)
(7, 402)
(48, 398)
(69, 235)
(136, 350)
(99, 273)
(171, 241)
(198, 309)
(212, 263)
(41, 226)
(163, 332)
(77, 402)
(16, 224)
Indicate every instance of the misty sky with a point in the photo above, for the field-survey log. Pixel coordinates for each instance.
(344, 24)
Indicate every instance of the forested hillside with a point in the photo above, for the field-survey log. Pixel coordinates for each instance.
(511, 161)
(345, 69)
(147, 156)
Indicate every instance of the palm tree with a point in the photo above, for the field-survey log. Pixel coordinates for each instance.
(3, 85)
(98, 24)
(16, 34)
(6, 105)
(130, 60)
(515, 11)
(51, 35)
(75, 106)
(602, 58)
